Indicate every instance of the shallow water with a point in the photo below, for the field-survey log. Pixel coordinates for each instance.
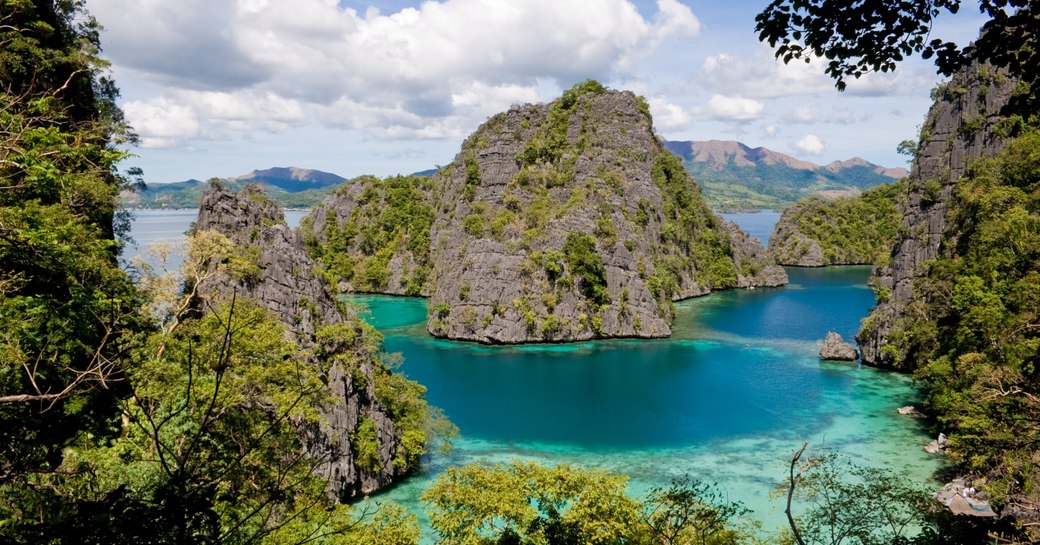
(726, 399)
(737, 388)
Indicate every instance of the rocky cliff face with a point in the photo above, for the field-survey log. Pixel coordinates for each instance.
(839, 230)
(286, 284)
(791, 246)
(570, 221)
(967, 121)
(373, 235)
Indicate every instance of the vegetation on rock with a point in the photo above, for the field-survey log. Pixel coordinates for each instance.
(975, 338)
(856, 230)
(957, 302)
(570, 221)
(138, 414)
(385, 218)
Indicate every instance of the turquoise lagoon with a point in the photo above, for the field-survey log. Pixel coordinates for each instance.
(726, 399)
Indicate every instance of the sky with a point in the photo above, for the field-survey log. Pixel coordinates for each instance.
(218, 88)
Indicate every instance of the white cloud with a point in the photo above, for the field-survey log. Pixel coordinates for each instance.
(428, 70)
(761, 75)
(674, 19)
(168, 121)
(668, 116)
(809, 144)
(770, 130)
(808, 113)
(734, 108)
(162, 123)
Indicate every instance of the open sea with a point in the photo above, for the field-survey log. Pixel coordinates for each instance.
(726, 399)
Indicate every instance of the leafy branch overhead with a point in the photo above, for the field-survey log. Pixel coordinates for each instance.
(857, 38)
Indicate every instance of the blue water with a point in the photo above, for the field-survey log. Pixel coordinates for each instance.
(757, 224)
(726, 399)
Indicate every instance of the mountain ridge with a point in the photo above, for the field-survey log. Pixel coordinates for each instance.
(731, 173)
(735, 175)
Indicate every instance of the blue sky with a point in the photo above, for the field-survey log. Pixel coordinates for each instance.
(222, 87)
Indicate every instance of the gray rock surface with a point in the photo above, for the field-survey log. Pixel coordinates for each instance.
(965, 500)
(835, 348)
(961, 126)
(302, 301)
(490, 279)
(790, 246)
(911, 411)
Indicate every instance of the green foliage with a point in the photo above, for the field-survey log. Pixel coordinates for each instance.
(835, 501)
(973, 337)
(549, 145)
(473, 225)
(209, 449)
(931, 191)
(585, 264)
(531, 504)
(849, 230)
(702, 246)
(694, 512)
(365, 443)
(67, 310)
(393, 215)
(859, 38)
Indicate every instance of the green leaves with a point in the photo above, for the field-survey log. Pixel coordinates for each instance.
(841, 502)
(585, 263)
(392, 215)
(855, 37)
(478, 505)
(527, 503)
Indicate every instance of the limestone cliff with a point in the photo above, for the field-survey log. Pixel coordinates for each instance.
(373, 235)
(284, 282)
(840, 230)
(967, 121)
(570, 221)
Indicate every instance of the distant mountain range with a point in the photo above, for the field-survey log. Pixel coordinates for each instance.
(290, 187)
(735, 176)
(732, 176)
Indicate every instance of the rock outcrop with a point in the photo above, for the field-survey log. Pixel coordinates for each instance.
(284, 282)
(835, 348)
(838, 230)
(569, 221)
(790, 246)
(962, 125)
(374, 235)
(556, 222)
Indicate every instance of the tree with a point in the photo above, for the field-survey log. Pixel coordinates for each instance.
(857, 38)
(692, 512)
(526, 503)
(848, 503)
(66, 306)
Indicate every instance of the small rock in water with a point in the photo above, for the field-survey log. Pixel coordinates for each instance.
(835, 348)
(937, 445)
(911, 411)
